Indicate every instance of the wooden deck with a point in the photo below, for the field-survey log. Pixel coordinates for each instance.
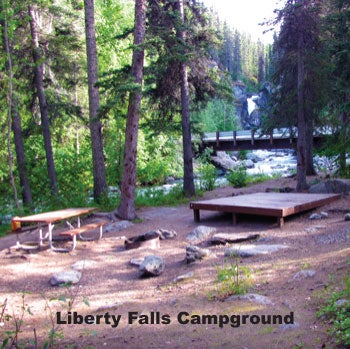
(277, 205)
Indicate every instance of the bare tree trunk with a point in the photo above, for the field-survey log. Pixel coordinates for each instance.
(126, 209)
(301, 144)
(99, 170)
(310, 168)
(14, 122)
(39, 84)
(188, 185)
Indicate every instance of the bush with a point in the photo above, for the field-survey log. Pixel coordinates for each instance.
(207, 176)
(238, 177)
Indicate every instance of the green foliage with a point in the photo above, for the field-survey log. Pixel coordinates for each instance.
(338, 314)
(207, 176)
(157, 197)
(238, 177)
(233, 278)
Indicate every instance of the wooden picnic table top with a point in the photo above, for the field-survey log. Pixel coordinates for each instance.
(54, 216)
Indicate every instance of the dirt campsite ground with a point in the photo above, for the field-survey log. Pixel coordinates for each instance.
(157, 312)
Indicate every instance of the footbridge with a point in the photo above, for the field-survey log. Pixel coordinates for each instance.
(279, 138)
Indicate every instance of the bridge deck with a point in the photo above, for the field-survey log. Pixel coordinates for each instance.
(277, 205)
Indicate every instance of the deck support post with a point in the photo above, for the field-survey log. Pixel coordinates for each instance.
(234, 218)
(280, 222)
(196, 215)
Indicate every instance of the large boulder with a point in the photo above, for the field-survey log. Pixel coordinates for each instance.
(200, 233)
(65, 277)
(331, 186)
(152, 266)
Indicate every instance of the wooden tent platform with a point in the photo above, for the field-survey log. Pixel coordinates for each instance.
(277, 205)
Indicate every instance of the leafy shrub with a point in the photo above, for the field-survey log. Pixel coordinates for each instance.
(207, 176)
(338, 314)
(238, 177)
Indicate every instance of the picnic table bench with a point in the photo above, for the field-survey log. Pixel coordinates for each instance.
(46, 220)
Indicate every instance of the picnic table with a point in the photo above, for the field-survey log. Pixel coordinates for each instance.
(45, 220)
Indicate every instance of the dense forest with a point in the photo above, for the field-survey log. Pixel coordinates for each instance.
(100, 94)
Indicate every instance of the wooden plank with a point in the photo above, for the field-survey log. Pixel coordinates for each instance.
(83, 228)
(53, 216)
(266, 204)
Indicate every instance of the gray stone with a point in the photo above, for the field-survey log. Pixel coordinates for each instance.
(82, 264)
(223, 238)
(315, 216)
(347, 217)
(183, 277)
(287, 327)
(304, 274)
(200, 233)
(332, 186)
(152, 266)
(223, 160)
(341, 302)
(65, 277)
(252, 250)
(251, 297)
(117, 226)
(194, 253)
(165, 234)
(136, 261)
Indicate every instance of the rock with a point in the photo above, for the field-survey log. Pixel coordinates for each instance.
(223, 160)
(248, 164)
(315, 216)
(252, 250)
(165, 234)
(136, 261)
(347, 217)
(184, 277)
(287, 327)
(333, 186)
(341, 302)
(117, 226)
(304, 274)
(65, 277)
(200, 233)
(82, 264)
(342, 235)
(222, 239)
(194, 252)
(252, 297)
(152, 266)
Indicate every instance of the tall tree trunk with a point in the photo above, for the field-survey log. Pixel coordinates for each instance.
(39, 84)
(188, 185)
(310, 168)
(126, 209)
(14, 121)
(301, 144)
(99, 170)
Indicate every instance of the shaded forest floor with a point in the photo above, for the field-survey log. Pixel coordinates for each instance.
(112, 285)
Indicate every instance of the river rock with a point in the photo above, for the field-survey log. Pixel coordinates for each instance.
(82, 264)
(194, 253)
(252, 297)
(65, 277)
(200, 233)
(304, 274)
(347, 217)
(165, 234)
(183, 277)
(223, 238)
(223, 160)
(152, 266)
(252, 250)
